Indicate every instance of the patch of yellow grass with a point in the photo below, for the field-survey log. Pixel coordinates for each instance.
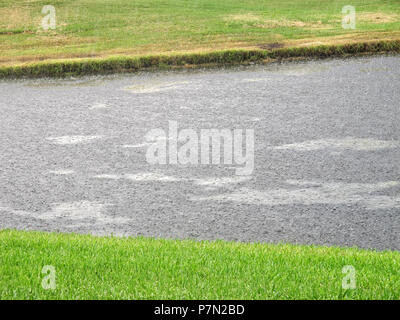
(345, 39)
(18, 18)
(293, 23)
(12, 18)
(274, 23)
(377, 17)
(246, 17)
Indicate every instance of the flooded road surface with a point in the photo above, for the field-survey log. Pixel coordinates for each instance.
(326, 170)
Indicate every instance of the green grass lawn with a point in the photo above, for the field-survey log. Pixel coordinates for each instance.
(103, 28)
(90, 267)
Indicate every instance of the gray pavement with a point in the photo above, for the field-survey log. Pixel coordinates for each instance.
(326, 158)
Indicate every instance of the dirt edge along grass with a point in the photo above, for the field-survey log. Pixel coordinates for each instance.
(125, 64)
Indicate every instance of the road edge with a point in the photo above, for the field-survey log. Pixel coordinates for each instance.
(126, 64)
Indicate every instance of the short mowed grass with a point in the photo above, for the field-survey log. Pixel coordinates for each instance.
(89, 267)
(111, 28)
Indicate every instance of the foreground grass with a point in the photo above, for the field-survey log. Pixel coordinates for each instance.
(90, 267)
(102, 29)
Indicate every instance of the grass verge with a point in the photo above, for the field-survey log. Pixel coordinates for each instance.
(89, 267)
(103, 36)
(227, 57)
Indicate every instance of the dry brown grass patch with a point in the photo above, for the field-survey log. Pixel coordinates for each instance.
(275, 23)
(378, 17)
(345, 39)
(244, 17)
(293, 24)
(13, 18)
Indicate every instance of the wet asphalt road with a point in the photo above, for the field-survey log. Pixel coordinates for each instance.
(326, 159)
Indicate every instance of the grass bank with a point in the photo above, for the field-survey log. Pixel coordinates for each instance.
(88, 267)
(94, 36)
(124, 64)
